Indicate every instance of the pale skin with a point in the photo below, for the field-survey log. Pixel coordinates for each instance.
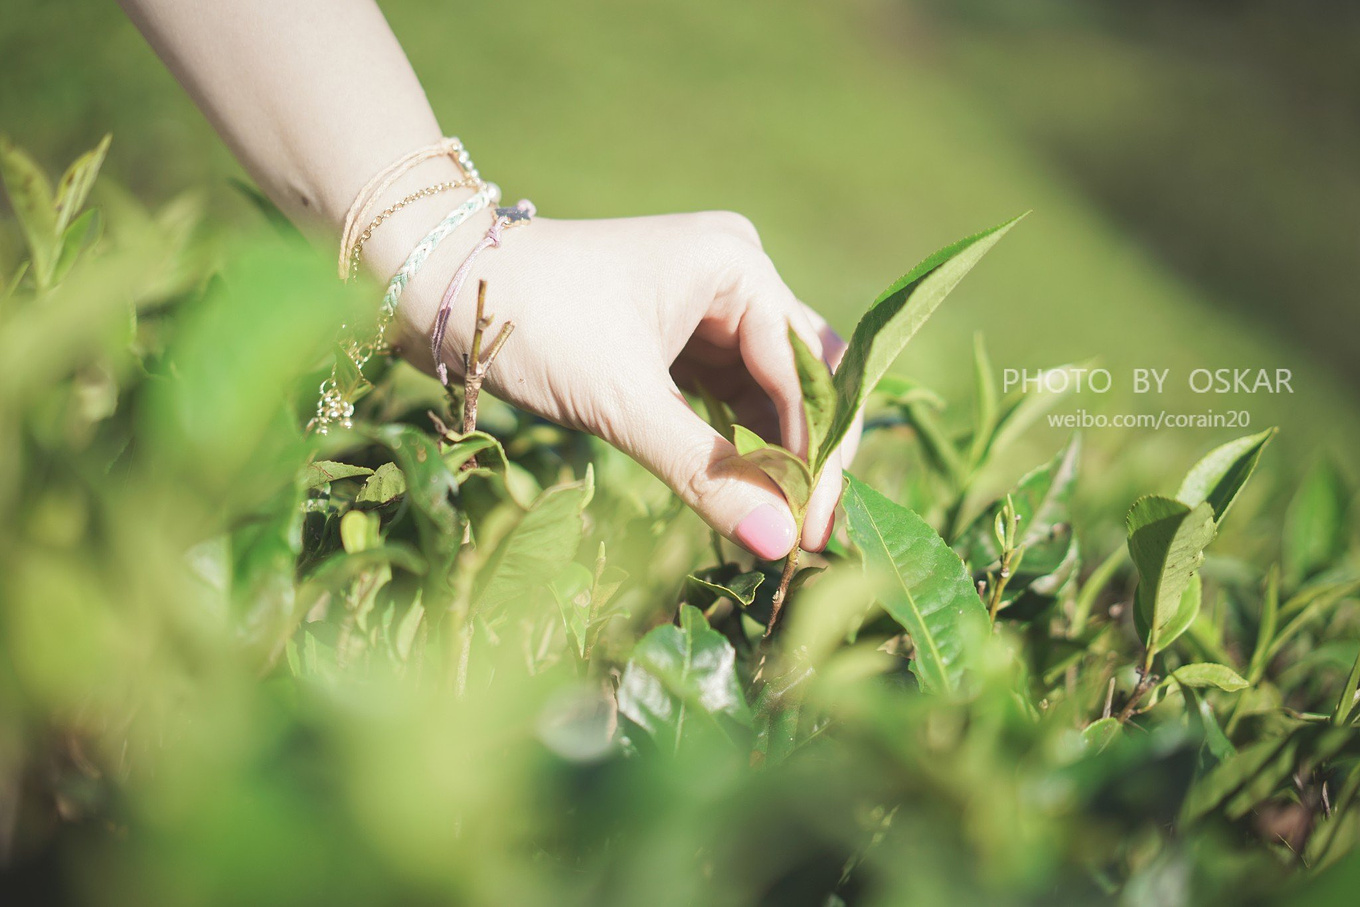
(613, 317)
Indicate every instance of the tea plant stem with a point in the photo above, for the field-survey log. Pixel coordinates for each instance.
(777, 605)
(475, 366)
(1146, 681)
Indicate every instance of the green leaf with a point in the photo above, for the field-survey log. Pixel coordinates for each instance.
(359, 531)
(984, 402)
(819, 396)
(539, 547)
(430, 485)
(572, 589)
(1220, 747)
(927, 588)
(1207, 674)
(1346, 702)
(472, 444)
(1317, 523)
(30, 194)
(1042, 500)
(900, 391)
(1166, 542)
(1099, 733)
(1180, 620)
(75, 185)
(893, 319)
(679, 673)
(323, 472)
(726, 582)
(1265, 629)
(382, 486)
(783, 467)
(1219, 477)
(83, 232)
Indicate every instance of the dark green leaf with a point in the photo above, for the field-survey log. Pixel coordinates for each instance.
(1166, 542)
(680, 674)
(1317, 524)
(925, 585)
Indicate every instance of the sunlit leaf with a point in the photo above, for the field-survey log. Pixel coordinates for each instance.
(923, 584)
(539, 547)
(1207, 674)
(894, 318)
(1219, 477)
(819, 396)
(785, 469)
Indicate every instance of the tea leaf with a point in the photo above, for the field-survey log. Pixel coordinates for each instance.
(76, 183)
(1346, 701)
(722, 581)
(539, 547)
(893, 319)
(984, 401)
(676, 672)
(1042, 501)
(83, 232)
(819, 396)
(928, 589)
(1166, 541)
(1099, 733)
(1210, 675)
(1317, 523)
(1180, 620)
(784, 468)
(30, 194)
(1219, 477)
(382, 486)
(323, 472)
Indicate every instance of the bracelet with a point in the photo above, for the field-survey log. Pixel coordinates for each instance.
(333, 405)
(373, 190)
(356, 250)
(521, 213)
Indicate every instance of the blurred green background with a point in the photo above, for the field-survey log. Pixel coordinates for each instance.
(1192, 166)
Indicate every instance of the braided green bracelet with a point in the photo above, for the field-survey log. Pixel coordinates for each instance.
(333, 405)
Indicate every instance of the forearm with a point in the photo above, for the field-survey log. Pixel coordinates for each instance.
(313, 96)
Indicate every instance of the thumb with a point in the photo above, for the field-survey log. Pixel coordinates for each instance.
(701, 466)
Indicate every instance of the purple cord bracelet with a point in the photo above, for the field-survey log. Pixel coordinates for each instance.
(521, 213)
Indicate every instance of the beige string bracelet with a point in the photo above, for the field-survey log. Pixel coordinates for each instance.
(375, 188)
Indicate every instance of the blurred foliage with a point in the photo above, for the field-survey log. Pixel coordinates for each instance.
(241, 665)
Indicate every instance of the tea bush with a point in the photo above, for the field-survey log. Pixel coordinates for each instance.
(409, 664)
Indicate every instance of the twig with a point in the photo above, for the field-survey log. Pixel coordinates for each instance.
(475, 366)
(1146, 681)
(777, 605)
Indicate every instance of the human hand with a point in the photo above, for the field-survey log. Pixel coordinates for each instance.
(613, 317)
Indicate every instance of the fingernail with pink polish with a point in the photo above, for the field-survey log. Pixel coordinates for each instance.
(767, 532)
